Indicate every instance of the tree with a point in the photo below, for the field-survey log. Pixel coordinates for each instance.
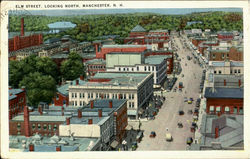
(39, 88)
(73, 67)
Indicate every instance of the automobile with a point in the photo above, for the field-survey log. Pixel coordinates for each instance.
(185, 99)
(134, 146)
(174, 90)
(169, 137)
(152, 134)
(191, 99)
(189, 140)
(181, 112)
(197, 104)
(198, 100)
(180, 125)
(189, 102)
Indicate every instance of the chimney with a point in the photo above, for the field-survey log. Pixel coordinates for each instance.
(26, 121)
(225, 83)
(62, 111)
(22, 26)
(110, 104)
(68, 121)
(216, 132)
(90, 121)
(82, 77)
(79, 113)
(31, 147)
(77, 82)
(239, 82)
(58, 148)
(100, 113)
(91, 104)
(40, 110)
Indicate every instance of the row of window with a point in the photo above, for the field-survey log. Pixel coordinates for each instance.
(41, 126)
(146, 68)
(231, 71)
(104, 95)
(226, 109)
(131, 104)
(96, 67)
(222, 56)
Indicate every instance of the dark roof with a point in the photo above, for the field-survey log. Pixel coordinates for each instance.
(138, 28)
(236, 93)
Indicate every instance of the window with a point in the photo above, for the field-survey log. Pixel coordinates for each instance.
(211, 109)
(235, 110)
(91, 95)
(49, 126)
(148, 68)
(75, 95)
(227, 55)
(231, 71)
(75, 103)
(241, 111)
(33, 126)
(39, 126)
(115, 96)
(227, 109)
(57, 97)
(215, 72)
(145, 68)
(235, 71)
(44, 126)
(129, 96)
(137, 68)
(132, 96)
(107, 96)
(132, 69)
(219, 72)
(80, 95)
(153, 68)
(133, 105)
(55, 127)
(119, 69)
(222, 56)
(127, 69)
(123, 69)
(72, 95)
(88, 95)
(80, 103)
(124, 96)
(18, 125)
(238, 70)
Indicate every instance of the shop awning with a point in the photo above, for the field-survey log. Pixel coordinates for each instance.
(227, 109)
(211, 108)
(131, 112)
(114, 144)
(217, 109)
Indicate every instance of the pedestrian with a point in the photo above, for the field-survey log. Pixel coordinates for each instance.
(166, 129)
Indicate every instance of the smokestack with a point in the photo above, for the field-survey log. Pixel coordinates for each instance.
(91, 104)
(26, 121)
(79, 113)
(22, 26)
(110, 104)
(100, 113)
(31, 147)
(77, 82)
(239, 82)
(217, 132)
(10, 115)
(90, 121)
(68, 121)
(225, 83)
(40, 110)
(81, 77)
(58, 148)
(62, 111)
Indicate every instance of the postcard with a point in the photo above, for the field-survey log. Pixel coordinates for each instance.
(124, 79)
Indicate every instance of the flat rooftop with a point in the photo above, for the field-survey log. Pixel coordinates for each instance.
(96, 61)
(156, 59)
(14, 92)
(218, 92)
(123, 46)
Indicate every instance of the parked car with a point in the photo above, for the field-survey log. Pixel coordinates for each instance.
(134, 146)
(185, 99)
(152, 134)
(191, 99)
(189, 140)
(189, 102)
(181, 112)
(169, 137)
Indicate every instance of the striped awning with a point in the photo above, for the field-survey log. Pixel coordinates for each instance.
(211, 108)
(218, 109)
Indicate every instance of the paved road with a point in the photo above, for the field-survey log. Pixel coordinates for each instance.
(168, 116)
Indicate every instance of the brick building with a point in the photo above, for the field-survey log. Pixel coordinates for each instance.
(20, 42)
(196, 41)
(234, 54)
(223, 35)
(95, 65)
(17, 101)
(221, 100)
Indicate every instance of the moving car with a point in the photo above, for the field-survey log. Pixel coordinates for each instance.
(169, 137)
(152, 134)
(189, 140)
(185, 99)
(189, 102)
(181, 112)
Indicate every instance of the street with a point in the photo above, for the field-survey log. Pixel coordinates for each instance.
(168, 115)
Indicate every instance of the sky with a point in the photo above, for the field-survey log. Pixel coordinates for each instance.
(167, 11)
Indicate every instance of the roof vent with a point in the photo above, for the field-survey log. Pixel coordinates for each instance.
(116, 83)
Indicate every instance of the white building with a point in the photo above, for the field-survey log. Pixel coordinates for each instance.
(137, 88)
(156, 64)
(226, 67)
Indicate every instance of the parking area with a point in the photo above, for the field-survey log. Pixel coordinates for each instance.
(167, 119)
